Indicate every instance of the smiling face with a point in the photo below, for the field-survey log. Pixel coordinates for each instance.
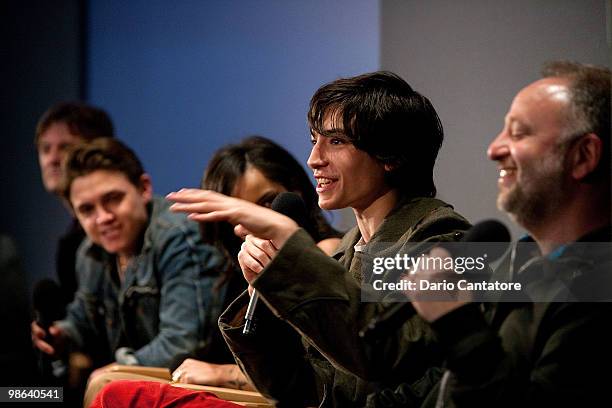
(345, 175)
(530, 153)
(51, 146)
(112, 210)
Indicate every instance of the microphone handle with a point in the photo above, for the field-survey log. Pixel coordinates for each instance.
(292, 206)
(249, 317)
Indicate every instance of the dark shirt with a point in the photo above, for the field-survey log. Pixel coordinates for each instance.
(536, 353)
(16, 354)
(65, 260)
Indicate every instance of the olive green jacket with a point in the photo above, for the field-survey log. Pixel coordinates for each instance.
(306, 350)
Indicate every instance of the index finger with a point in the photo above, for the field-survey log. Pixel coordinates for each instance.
(37, 330)
(189, 195)
(44, 346)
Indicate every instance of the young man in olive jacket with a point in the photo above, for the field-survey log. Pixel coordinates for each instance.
(375, 141)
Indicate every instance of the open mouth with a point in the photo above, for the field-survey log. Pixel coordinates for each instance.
(324, 184)
(507, 175)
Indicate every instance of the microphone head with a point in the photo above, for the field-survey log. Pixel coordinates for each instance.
(291, 205)
(487, 231)
(47, 302)
(493, 235)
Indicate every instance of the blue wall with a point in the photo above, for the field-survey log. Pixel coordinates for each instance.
(183, 78)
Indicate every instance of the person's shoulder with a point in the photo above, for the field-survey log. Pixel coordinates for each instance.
(437, 220)
(445, 213)
(163, 219)
(168, 229)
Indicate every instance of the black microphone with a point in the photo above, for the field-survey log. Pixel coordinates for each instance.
(48, 303)
(492, 232)
(488, 231)
(291, 205)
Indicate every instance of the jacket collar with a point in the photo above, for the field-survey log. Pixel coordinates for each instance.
(407, 212)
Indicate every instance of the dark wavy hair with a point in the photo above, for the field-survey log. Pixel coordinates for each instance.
(104, 153)
(86, 121)
(229, 164)
(382, 115)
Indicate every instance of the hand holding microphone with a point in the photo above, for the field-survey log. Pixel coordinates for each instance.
(263, 223)
(48, 307)
(256, 253)
(490, 235)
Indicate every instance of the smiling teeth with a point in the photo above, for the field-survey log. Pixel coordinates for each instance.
(324, 181)
(505, 172)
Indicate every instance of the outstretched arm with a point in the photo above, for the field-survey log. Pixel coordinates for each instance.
(207, 206)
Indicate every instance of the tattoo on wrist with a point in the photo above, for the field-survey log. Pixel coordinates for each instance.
(238, 382)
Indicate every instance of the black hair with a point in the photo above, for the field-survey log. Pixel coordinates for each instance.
(229, 164)
(382, 115)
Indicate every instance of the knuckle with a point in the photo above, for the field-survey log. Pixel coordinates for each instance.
(255, 266)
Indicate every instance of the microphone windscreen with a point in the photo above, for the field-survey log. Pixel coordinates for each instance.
(487, 231)
(493, 237)
(47, 302)
(291, 205)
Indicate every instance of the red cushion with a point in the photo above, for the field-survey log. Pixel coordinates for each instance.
(127, 393)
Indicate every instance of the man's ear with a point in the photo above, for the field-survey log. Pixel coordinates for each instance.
(585, 155)
(146, 187)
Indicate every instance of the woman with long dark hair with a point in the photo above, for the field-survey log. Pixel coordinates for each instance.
(256, 170)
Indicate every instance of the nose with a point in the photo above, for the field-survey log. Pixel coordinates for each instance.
(103, 216)
(54, 156)
(317, 157)
(498, 149)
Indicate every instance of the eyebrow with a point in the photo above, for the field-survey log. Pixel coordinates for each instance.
(333, 132)
(520, 122)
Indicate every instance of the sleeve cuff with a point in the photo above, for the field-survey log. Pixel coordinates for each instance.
(300, 273)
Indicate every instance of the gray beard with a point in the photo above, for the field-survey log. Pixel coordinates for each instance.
(531, 202)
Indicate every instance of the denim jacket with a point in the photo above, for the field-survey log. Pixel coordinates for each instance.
(166, 307)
